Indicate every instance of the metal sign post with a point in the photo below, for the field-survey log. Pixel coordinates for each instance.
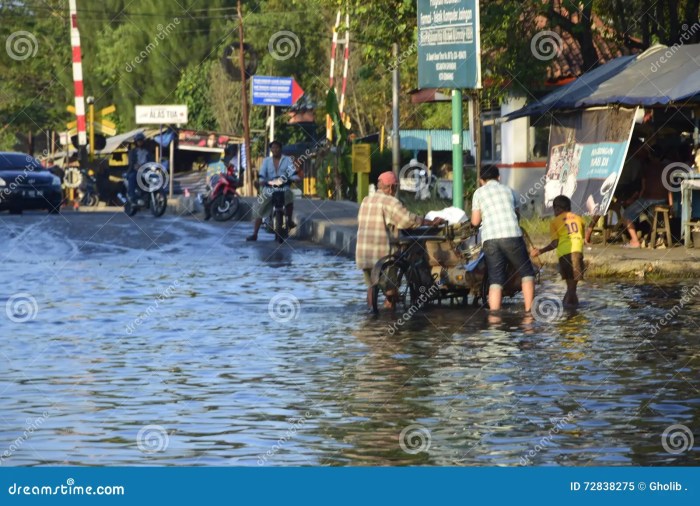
(449, 56)
(160, 115)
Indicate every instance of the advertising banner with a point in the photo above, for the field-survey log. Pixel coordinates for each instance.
(587, 151)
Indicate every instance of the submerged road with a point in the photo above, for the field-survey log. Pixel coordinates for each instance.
(174, 342)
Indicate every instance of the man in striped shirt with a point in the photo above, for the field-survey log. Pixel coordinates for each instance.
(495, 208)
(380, 218)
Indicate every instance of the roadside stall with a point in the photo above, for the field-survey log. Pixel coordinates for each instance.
(201, 154)
(653, 97)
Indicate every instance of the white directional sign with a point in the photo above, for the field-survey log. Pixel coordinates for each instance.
(161, 114)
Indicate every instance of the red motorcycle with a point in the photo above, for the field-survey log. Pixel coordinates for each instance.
(222, 201)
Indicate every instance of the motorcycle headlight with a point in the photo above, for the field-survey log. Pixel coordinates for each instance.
(2, 182)
(55, 181)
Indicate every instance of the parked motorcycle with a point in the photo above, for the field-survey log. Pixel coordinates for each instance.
(222, 200)
(151, 181)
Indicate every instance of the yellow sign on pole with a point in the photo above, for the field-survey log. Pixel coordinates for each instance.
(361, 158)
(107, 123)
(102, 128)
(107, 110)
(97, 122)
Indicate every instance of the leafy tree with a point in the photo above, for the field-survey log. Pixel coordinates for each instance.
(35, 67)
(641, 23)
(194, 90)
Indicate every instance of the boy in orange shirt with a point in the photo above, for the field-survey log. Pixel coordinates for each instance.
(567, 231)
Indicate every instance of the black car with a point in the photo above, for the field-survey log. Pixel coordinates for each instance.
(26, 184)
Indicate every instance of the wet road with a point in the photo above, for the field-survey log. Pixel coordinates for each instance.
(174, 342)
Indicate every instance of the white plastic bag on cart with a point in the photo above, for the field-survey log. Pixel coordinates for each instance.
(452, 215)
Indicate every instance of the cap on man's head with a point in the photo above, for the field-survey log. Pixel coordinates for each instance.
(387, 178)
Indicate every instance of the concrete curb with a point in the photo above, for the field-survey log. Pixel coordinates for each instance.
(341, 239)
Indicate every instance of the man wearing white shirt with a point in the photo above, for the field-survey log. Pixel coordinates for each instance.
(274, 167)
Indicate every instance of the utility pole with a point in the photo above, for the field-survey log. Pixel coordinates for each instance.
(457, 168)
(476, 107)
(91, 126)
(395, 139)
(248, 187)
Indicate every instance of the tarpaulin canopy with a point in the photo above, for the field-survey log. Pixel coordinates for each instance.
(658, 77)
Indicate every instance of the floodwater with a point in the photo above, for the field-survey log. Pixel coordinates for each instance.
(188, 346)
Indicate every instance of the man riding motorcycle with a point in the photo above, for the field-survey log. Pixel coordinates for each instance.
(274, 167)
(138, 156)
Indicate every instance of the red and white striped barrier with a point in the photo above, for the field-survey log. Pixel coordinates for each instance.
(77, 74)
(334, 45)
(346, 57)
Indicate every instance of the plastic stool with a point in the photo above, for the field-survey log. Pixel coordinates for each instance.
(608, 227)
(662, 225)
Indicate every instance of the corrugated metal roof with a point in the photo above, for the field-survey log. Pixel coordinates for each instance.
(441, 140)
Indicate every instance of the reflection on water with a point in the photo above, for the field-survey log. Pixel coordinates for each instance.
(125, 342)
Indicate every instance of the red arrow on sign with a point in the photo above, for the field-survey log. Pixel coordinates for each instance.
(297, 92)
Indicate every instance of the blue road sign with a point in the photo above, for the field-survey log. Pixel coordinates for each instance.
(270, 90)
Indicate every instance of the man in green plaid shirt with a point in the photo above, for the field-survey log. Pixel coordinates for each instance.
(495, 208)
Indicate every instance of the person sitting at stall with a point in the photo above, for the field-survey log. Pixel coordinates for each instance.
(653, 192)
(381, 216)
(566, 231)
